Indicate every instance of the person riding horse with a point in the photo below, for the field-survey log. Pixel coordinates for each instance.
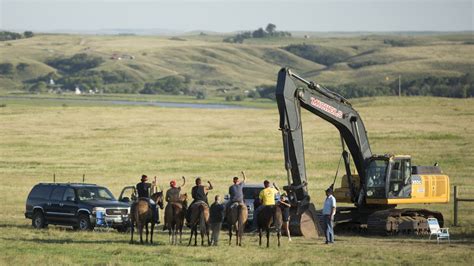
(199, 194)
(236, 191)
(144, 190)
(173, 195)
(267, 198)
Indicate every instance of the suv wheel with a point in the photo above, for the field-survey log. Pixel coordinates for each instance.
(84, 223)
(38, 220)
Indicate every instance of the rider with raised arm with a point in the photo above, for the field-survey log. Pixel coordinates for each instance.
(236, 191)
(145, 190)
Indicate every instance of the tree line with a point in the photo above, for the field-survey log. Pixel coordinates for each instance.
(269, 31)
(9, 36)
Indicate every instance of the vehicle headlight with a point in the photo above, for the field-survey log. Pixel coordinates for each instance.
(370, 193)
(98, 209)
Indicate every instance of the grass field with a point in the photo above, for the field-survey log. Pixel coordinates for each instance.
(253, 63)
(113, 145)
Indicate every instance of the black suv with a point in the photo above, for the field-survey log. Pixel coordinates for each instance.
(75, 205)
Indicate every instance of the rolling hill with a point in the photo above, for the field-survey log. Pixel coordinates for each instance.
(210, 64)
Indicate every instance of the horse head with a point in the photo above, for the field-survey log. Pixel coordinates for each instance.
(158, 198)
(184, 199)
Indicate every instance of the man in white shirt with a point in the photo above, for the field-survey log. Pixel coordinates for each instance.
(329, 211)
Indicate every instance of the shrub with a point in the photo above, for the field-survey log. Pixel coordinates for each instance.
(6, 69)
(319, 54)
(76, 63)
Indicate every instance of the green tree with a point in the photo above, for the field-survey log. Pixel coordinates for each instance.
(22, 66)
(39, 87)
(6, 69)
(270, 29)
(28, 34)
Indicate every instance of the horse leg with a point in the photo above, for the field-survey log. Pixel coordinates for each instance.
(260, 236)
(195, 235)
(140, 231)
(278, 235)
(230, 234)
(191, 238)
(207, 234)
(151, 233)
(146, 227)
(131, 231)
(268, 237)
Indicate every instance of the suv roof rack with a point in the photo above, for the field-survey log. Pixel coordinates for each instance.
(74, 184)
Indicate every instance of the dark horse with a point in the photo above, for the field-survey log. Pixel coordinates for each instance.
(199, 217)
(266, 217)
(141, 215)
(236, 216)
(174, 218)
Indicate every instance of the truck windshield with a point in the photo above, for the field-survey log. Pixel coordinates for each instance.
(94, 193)
(376, 173)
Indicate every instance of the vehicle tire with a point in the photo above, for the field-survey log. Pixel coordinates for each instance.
(38, 221)
(84, 223)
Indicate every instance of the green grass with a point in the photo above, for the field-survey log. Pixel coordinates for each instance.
(113, 145)
(250, 64)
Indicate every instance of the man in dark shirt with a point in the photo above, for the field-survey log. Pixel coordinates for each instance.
(216, 216)
(199, 193)
(144, 190)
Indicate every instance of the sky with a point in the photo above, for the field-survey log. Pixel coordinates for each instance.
(232, 15)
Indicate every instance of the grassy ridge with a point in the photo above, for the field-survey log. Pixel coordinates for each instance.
(114, 145)
(370, 60)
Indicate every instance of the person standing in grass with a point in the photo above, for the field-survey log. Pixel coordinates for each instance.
(329, 210)
(285, 211)
(216, 216)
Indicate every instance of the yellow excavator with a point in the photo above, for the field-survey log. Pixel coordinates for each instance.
(381, 182)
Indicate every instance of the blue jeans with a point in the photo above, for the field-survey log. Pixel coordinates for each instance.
(329, 229)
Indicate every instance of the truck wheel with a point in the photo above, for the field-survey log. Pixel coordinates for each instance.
(84, 223)
(38, 220)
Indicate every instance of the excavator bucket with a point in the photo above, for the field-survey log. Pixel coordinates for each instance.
(305, 222)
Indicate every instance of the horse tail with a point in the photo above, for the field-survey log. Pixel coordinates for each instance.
(202, 220)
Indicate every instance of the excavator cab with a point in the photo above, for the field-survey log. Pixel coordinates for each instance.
(388, 177)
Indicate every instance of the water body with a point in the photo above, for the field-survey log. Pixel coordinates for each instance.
(136, 103)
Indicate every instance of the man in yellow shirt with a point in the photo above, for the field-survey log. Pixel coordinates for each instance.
(267, 198)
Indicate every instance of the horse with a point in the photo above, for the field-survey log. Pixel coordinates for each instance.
(199, 216)
(174, 218)
(236, 216)
(141, 215)
(266, 217)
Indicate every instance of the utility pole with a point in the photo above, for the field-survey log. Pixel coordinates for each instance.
(399, 85)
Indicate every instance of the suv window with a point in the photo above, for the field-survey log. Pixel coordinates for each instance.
(41, 192)
(57, 193)
(94, 193)
(69, 194)
(251, 193)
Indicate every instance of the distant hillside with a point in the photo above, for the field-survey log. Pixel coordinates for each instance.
(204, 63)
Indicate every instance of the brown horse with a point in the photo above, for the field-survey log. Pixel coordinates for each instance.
(236, 216)
(199, 217)
(174, 218)
(141, 215)
(266, 217)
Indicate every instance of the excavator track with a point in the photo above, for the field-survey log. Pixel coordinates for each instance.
(401, 221)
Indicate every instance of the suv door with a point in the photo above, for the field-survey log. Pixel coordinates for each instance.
(68, 206)
(54, 212)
